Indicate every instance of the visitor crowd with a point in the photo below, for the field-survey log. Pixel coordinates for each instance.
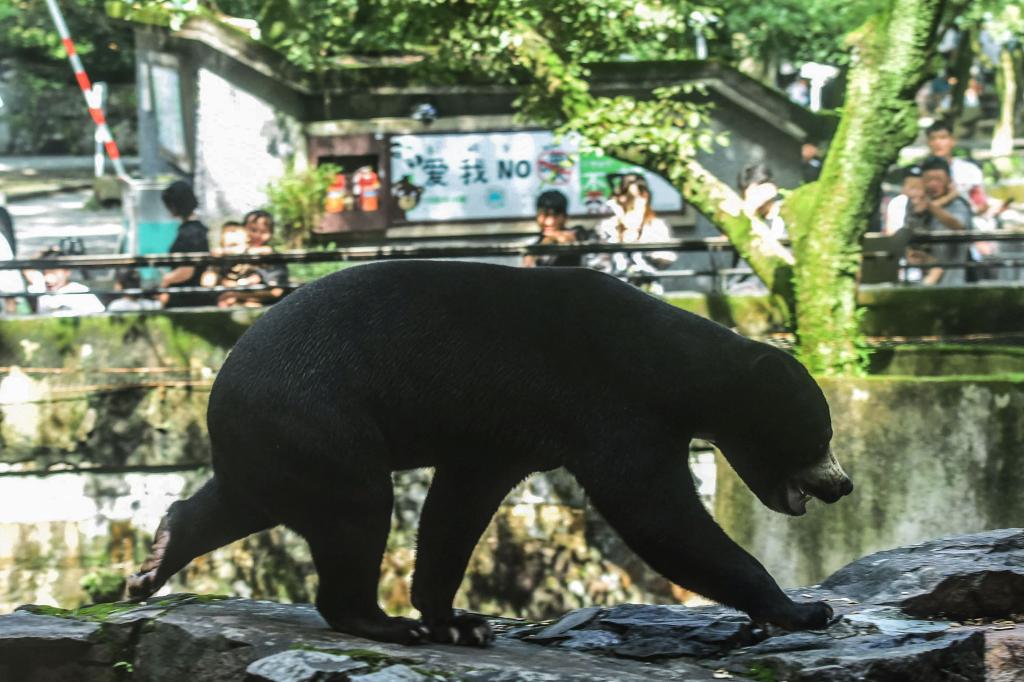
(943, 192)
(57, 291)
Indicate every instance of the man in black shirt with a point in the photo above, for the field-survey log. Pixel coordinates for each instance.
(552, 214)
(192, 238)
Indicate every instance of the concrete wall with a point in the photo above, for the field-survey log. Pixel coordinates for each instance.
(241, 126)
(242, 144)
(929, 457)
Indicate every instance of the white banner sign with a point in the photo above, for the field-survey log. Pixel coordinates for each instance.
(471, 176)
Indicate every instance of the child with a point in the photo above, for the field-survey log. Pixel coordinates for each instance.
(909, 208)
(234, 240)
(62, 296)
(260, 226)
(128, 278)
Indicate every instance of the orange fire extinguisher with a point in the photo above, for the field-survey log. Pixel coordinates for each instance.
(367, 187)
(337, 193)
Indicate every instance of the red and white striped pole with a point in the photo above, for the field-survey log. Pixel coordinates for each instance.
(91, 100)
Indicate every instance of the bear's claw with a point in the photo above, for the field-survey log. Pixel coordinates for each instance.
(144, 583)
(462, 629)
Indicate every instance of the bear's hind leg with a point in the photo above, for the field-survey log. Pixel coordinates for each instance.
(458, 508)
(347, 530)
(193, 527)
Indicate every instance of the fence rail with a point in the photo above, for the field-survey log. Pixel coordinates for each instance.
(875, 246)
(460, 250)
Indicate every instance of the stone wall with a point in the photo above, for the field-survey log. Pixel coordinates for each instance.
(929, 457)
(101, 427)
(889, 311)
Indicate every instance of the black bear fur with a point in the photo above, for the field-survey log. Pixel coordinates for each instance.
(488, 374)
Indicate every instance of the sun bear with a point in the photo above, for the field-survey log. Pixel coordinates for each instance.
(487, 374)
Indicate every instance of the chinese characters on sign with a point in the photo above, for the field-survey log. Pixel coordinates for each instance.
(467, 176)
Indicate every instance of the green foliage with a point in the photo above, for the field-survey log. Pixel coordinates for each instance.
(761, 673)
(790, 30)
(466, 36)
(307, 272)
(668, 129)
(96, 613)
(103, 585)
(124, 666)
(32, 93)
(297, 200)
(27, 32)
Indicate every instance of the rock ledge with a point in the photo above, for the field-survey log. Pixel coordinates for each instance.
(948, 609)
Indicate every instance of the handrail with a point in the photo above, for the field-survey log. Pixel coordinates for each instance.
(356, 253)
(461, 250)
(708, 245)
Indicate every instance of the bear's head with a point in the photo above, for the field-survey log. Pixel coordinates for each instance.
(778, 437)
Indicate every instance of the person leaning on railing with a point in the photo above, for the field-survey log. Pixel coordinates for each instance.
(191, 238)
(60, 293)
(634, 222)
(259, 226)
(552, 217)
(946, 210)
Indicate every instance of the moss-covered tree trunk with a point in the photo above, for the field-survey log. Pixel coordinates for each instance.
(827, 218)
(1006, 85)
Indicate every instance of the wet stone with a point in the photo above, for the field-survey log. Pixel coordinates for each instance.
(27, 635)
(892, 621)
(573, 619)
(655, 648)
(304, 666)
(715, 626)
(590, 640)
(968, 576)
(914, 658)
(392, 673)
(198, 638)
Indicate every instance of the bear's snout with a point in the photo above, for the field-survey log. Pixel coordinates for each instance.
(826, 481)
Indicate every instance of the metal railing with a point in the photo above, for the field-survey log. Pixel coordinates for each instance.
(894, 248)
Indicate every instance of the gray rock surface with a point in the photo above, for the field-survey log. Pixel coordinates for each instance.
(22, 629)
(304, 666)
(969, 576)
(392, 673)
(874, 638)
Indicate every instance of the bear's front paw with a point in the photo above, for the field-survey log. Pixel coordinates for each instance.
(804, 616)
(463, 629)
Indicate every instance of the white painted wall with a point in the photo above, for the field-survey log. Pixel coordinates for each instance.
(240, 148)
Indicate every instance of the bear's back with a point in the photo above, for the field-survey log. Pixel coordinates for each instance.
(459, 328)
